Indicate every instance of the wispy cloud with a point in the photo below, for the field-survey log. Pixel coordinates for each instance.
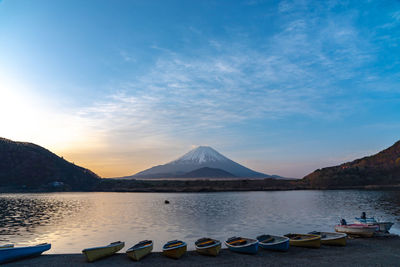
(294, 72)
(224, 76)
(126, 57)
(185, 97)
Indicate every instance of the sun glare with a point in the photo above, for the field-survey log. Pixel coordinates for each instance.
(27, 117)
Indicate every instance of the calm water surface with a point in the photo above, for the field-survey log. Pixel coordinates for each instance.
(73, 221)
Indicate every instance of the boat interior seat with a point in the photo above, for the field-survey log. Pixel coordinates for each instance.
(318, 233)
(206, 243)
(238, 242)
(174, 244)
(265, 238)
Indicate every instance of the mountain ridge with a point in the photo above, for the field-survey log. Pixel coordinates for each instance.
(202, 156)
(378, 169)
(32, 168)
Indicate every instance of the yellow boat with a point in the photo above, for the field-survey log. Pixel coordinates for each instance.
(140, 250)
(208, 246)
(304, 240)
(174, 249)
(96, 253)
(332, 239)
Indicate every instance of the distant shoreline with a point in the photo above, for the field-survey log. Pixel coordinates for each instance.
(198, 179)
(197, 186)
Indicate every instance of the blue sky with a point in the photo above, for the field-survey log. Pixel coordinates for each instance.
(283, 87)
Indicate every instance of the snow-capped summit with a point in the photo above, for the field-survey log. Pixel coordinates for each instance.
(198, 158)
(201, 154)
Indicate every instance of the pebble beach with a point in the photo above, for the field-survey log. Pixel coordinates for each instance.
(376, 251)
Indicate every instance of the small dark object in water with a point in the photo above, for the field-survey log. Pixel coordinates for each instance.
(166, 202)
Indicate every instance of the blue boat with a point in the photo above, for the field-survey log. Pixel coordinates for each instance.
(273, 242)
(242, 245)
(12, 254)
(6, 246)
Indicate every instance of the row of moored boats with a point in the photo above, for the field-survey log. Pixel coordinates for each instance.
(364, 227)
(175, 249)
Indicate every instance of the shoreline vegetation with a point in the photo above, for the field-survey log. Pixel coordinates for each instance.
(197, 186)
(376, 251)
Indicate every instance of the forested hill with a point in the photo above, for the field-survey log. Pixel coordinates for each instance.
(28, 165)
(382, 168)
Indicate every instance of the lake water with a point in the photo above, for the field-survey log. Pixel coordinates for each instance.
(73, 221)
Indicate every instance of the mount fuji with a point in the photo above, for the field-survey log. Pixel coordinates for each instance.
(204, 162)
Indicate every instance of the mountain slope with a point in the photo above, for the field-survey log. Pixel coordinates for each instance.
(379, 169)
(200, 157)
(27, 164)
(207, 172)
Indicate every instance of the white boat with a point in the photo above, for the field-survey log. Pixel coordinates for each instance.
(383, 226)
(363, 230)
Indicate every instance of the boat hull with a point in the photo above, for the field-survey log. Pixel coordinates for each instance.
(251, 247)
(383, 226)
(7, 246)
(175, 253)
(313, 241)
(12, 254)
(281, 245)
(359, 230)
(208, 246)
(138, 254)
(93, 254)
(333, 239)
(211, 251)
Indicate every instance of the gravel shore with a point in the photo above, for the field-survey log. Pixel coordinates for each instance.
(377, 251)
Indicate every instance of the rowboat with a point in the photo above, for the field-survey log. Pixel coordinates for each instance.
(304, 240)
(6, 246)
(15, 253)
(96, 253)
(363, 230)
(242, 245)
(273, 242)
(174, 249)
(208, 246)
(140, 250)
(332, 239)
(383, 226)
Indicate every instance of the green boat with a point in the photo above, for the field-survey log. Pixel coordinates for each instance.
(140, 250)
(96, 253)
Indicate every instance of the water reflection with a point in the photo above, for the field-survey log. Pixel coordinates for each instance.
(72, 221)
(24, 213)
